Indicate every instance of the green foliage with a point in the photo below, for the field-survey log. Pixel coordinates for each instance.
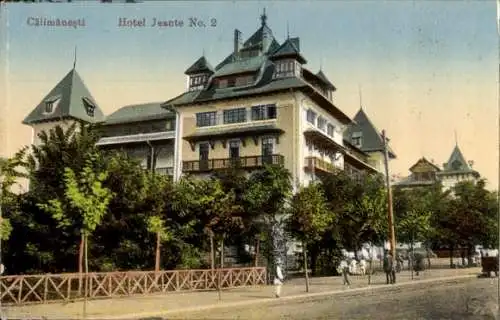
(310, 216)
(87, 194)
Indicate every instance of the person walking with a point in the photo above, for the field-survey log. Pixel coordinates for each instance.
(344, 269)
(278, 280)
(388, 267)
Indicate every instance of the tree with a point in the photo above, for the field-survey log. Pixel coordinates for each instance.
(87, 197)
(9, 175)
(266, 196)
(364, 218)
(158, 193)
(309, 218)
(472, 212)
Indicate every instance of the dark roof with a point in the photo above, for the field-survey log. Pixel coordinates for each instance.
(70, 97)
(457, 164)
(288, 49)
(372, 138)
(251, 64)
(423, 160)
(200, 66)
(139, 112)
(456, 161)
(325, 80)
(264, 85)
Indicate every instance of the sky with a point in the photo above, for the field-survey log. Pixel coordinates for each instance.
(425, 69)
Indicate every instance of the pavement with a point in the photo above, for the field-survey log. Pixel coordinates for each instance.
(138, 307)
(457, 299)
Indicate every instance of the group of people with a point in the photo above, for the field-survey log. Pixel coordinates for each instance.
(348, 266)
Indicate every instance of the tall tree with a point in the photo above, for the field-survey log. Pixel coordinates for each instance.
(266, 198)
(309, 218)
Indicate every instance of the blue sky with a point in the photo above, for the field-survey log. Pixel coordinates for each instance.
(426, 68)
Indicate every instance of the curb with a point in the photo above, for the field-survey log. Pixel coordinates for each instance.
(261, 301)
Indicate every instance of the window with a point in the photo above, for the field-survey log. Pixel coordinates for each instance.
(231, 82)
(330, 129)
(206, 119)
(268, 150)
(222, 83)
(204, 152)
(244, 81)
(284, 68)
(311, 116)
(235, 115)
(357, 139)
(197, 82)
(89, 106)
(169, 125)
(234, 149)
(264, 112)
(51, 104)
(321, 123)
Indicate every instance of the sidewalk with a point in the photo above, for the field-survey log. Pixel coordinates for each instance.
(149, 306)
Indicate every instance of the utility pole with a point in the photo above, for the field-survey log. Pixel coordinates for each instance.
(392, 235)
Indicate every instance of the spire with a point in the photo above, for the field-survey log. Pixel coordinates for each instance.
(456, 140)
(74, 61)
(287, 31)
(263, 17)
(321, 64)
(360, 97)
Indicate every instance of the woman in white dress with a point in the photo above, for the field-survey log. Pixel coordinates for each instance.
(278, 281)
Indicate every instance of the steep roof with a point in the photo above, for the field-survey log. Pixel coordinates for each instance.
(70, 97)
(288, 49)
(201, 65)
(325, 80)
(457, 163)
(251, 64)
(423, 163)
(372, 138)
(139, 112)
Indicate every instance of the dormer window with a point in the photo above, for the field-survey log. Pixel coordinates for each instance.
(198, 82)
(89, 106)
(51, 104)
(286, 68)
(357, 139)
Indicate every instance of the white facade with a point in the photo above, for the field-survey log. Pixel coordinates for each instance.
(304, 105)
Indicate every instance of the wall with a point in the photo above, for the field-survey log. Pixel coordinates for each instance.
(306, 103)
(284, 104)
(46, 126)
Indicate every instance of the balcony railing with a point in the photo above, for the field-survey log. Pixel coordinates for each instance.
(241, 162)
(319, 164)
(168, 171)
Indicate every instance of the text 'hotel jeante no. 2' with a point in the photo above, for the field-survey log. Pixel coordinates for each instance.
(126, 22)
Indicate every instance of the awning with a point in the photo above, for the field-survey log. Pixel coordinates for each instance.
(141, 137)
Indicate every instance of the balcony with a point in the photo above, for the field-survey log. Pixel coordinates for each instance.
(313, 163)
(166, 171)
(251, 162)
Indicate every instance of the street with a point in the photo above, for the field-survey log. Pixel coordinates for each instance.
(455, 299)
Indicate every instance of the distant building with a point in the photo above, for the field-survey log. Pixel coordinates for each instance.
(457, 169)
(425, 173)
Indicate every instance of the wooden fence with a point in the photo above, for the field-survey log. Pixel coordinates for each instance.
(29, 289)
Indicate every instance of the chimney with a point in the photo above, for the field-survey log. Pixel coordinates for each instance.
(237, 42)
